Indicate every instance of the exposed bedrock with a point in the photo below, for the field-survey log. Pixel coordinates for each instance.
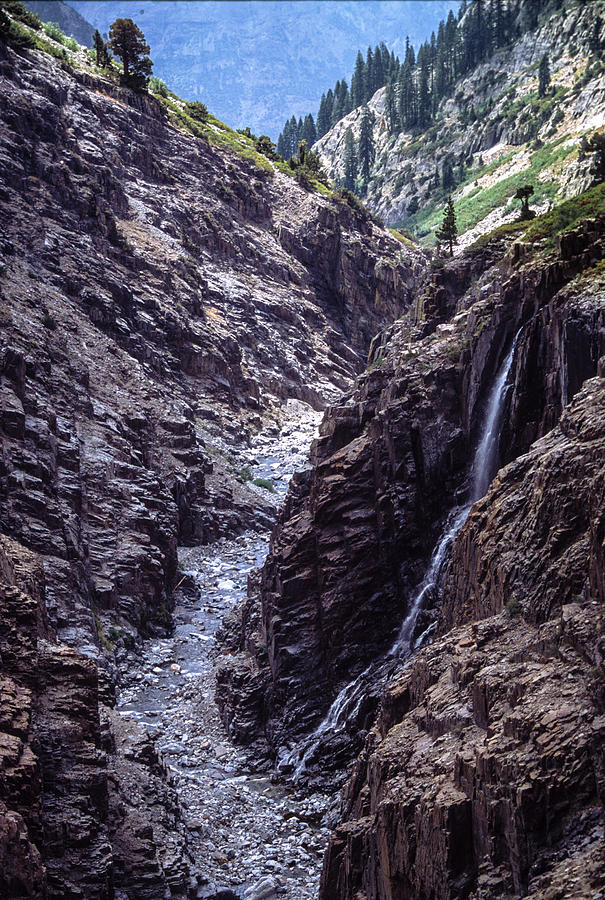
(160, 298)
(75, 779)
(355, 535)
(483, 775)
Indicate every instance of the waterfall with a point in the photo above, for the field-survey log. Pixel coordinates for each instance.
(485, 463)
(483, 469)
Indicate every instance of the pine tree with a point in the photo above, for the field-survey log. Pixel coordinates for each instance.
(424, 97)
(385, 62)
(357, 82)
(281, 145)
(523, 194)
(368, 81)
(379, 78)
(337, 111)
(596, 144)
(390, 109)
(99, 47)
(293, 143)
(594, 41)
(350, 161)
(366, 150)
(345, 97)
(127, 41)
(449, 231)
(500, 30)
(309, 131)
(323, 117)
(543, 76)
(447, 175)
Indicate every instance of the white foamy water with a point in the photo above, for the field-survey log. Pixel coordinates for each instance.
(347, 703)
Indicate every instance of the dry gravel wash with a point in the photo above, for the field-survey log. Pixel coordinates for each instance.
(249, 835)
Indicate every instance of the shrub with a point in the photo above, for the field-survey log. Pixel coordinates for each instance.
(21, 13)
(355, 203)
(49, 321)
(157, 86)
(264, 483)
(72, 44)
(15, 34)
(198, 111)
(265, 145)
(513, 607)
(245, 474)
(52, 30)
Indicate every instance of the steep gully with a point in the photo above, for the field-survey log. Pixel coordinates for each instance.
(249, 836)
(95, 492)
(378, 674)
(391, 460)
(262, 837)
(161, 299)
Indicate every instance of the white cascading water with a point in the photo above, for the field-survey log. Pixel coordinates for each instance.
(483, 469)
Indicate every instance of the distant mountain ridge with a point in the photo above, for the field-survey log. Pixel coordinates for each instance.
(67, 18)
(255, 63)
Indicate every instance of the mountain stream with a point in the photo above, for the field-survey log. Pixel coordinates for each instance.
(252, 838)
(265, 838)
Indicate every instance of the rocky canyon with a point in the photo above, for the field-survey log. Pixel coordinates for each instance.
(302, 529)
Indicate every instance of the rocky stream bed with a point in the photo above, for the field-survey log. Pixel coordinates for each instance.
(253, 837)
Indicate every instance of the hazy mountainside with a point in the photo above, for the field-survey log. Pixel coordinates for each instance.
(253, 63)
(495, 133)
(161, 298)
(68, 19)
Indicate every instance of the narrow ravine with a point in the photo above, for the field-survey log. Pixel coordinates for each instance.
(252, 837)
(296, 761)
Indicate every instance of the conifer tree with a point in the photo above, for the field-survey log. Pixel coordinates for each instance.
(280, 145)
(523, 194)
(596, 144)
(350, 161)
(357, 81)
(594, 42)
(449, 231)
(424, 98)
(323, 117)
(127, 41)
(293, 143)
(366, 150)
(368, 89)
(390, 109)
(447, 175)
(99, 47)
(543, 76)
(309, 132)
(378, 76)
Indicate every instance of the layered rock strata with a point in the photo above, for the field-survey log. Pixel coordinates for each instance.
(356, 532)
(483, 774)
(160, 298)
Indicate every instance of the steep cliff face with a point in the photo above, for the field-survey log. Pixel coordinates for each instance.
(356, 533)
(160, 299)
(497, 128)
(483, 775)
(162, 284)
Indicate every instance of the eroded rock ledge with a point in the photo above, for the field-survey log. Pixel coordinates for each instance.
(159, 299)
(483, 775)
(357, 530)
